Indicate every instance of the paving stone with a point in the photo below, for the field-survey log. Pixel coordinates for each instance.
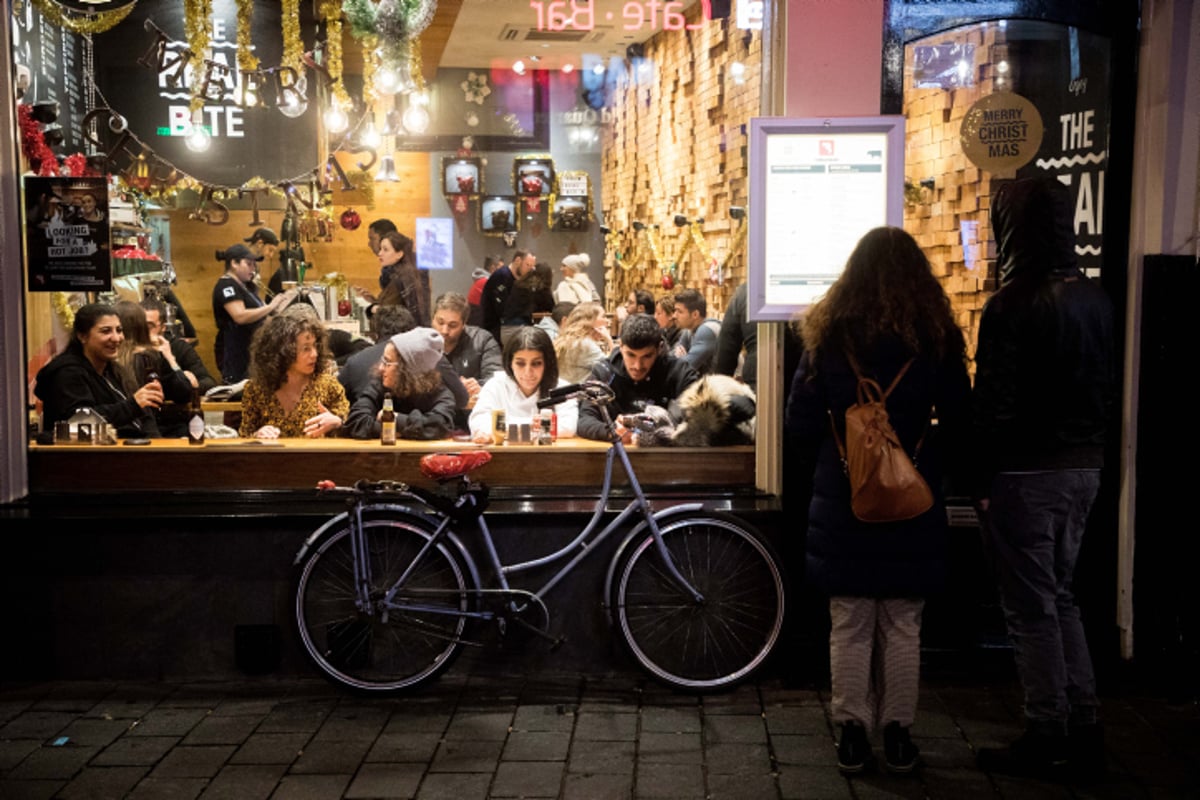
(244, 782)
(53, 762)
(352, 724)
(813, 783)
(399, 747)
(737, 758)
(797, 719)
(946, 753)
(454, 786)
(30, 789)
(952, 784)
(257, 707)
(94, 782)
(598, 786)
(135, 750)
(270, 748)
(669, 780)
(193, 762)
(328, 758)
(606, 726)
(11, 752)
(39, 725)
(295, 718)
(657, 719)
(473, 725)
(168, 789)
(541, 717)
(386, 780)
(221, 730)
(467, 756)
(742, 700)
(98, 732)
(164, 721)
(311, 787)
(798, 749)
(528, 779)
(762, 786)
(734, 728)
(536, 746)
(417, 722)
(670, 748)
(616, 758)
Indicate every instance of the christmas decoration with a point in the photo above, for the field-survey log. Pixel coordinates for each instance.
(475, 88)
(350, 220)
(33, 143)
(93, 22)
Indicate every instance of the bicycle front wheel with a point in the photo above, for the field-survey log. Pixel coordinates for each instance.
(374, 650)
(715, 643)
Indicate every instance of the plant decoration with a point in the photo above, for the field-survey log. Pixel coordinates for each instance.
(93, 22)
(33, 143)
(331, 13)
(197, 16)
(395, 26)
(475, 87)
(245, 48)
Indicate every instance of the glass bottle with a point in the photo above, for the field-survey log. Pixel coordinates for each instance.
(388, 420)
(195, 419)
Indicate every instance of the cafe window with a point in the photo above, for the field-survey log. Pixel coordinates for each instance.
(991, 102)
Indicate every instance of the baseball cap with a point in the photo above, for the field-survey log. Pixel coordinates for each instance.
(264, 235)
(236, 253)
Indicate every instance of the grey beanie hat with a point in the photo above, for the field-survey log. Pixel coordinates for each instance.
(420, 348)
(578, 262)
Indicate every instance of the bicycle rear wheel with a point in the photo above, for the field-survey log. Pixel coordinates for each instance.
(713, 644)
(367, 650)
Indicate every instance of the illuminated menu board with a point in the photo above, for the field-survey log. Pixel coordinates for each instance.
(816, 186)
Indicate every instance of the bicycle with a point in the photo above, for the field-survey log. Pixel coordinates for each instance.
(386, 591)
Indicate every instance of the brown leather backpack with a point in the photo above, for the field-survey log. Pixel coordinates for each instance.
(885, 485)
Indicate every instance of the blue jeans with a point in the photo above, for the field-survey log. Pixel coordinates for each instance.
(1032, 532)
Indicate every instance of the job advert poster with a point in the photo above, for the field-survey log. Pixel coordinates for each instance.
(67, 234)
(822, 193)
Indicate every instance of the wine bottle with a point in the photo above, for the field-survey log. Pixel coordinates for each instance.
(388, 419)
(195, 419)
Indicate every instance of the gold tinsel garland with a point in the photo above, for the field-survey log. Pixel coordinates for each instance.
(61, 303)
(245, 47)
(370, 94)
(331, 12)
(738, 240)
(293, 46)
(197, 17)
(94, 22)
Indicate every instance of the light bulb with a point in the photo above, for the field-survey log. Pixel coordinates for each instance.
(416, 118)
(737, 71)
(197, 139)
(335, 119)
(518, 67)
(568, 68)
(294, 102)
(370, 136)
(387, 81)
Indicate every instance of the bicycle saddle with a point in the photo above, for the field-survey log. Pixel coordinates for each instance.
(447, 466)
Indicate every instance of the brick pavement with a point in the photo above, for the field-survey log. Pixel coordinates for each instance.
(477, 734)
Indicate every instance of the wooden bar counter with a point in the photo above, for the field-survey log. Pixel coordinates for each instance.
(248, 464)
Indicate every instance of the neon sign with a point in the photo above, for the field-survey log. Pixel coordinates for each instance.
(636, 15)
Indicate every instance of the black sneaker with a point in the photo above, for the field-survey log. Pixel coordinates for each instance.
(900, 755)
(1085, 751)
(854, 750)
(1034, 754)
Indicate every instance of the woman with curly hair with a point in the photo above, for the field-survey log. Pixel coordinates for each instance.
(583, 341)
(886, 316)
(292, 391)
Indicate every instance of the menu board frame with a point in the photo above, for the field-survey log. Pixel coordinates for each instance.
(791, 155)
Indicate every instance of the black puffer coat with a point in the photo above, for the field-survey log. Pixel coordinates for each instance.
(847, 557)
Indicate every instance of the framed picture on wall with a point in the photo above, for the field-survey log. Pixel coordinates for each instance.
(533, 176)
(462, 176)
(570, 213)
(498, 215)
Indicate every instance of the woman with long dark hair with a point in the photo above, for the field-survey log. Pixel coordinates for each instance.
(530, 372)
(399, 276)
(87, 375)
(885, 315)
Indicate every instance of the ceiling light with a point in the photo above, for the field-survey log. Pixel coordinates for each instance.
(198, 139)
(518, 67)
(568, 68)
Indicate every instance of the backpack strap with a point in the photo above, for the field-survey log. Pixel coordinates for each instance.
(864, 384)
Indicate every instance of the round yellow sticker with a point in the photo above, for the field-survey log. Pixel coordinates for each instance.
(1002, 131)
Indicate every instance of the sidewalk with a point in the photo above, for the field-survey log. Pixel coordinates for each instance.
(477, 734)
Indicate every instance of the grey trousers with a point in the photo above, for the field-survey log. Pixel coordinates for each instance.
(875, 659)
(1032, 531)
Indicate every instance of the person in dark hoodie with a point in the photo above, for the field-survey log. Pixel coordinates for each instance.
(886, 318)
(86, 375)
(1044, 392)
(641, 372)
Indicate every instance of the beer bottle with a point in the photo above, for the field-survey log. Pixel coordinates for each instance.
(195, 419)
(388, 419)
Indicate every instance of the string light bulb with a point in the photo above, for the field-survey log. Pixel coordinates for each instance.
(336, 120)
(370, 136)
(198, 139)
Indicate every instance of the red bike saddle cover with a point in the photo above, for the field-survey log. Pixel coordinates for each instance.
(444, 466)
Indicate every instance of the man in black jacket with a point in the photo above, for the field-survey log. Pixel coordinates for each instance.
(1044, 391)
(173, 417)
(641, 373)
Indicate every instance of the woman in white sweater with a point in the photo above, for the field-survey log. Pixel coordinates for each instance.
(576, 286)
(530, 371)
(582, 341)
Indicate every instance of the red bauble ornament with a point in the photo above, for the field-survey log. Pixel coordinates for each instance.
(350, 219)
(668, 282)
(344, 308)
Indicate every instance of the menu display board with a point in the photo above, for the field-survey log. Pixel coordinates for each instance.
(816, 186)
